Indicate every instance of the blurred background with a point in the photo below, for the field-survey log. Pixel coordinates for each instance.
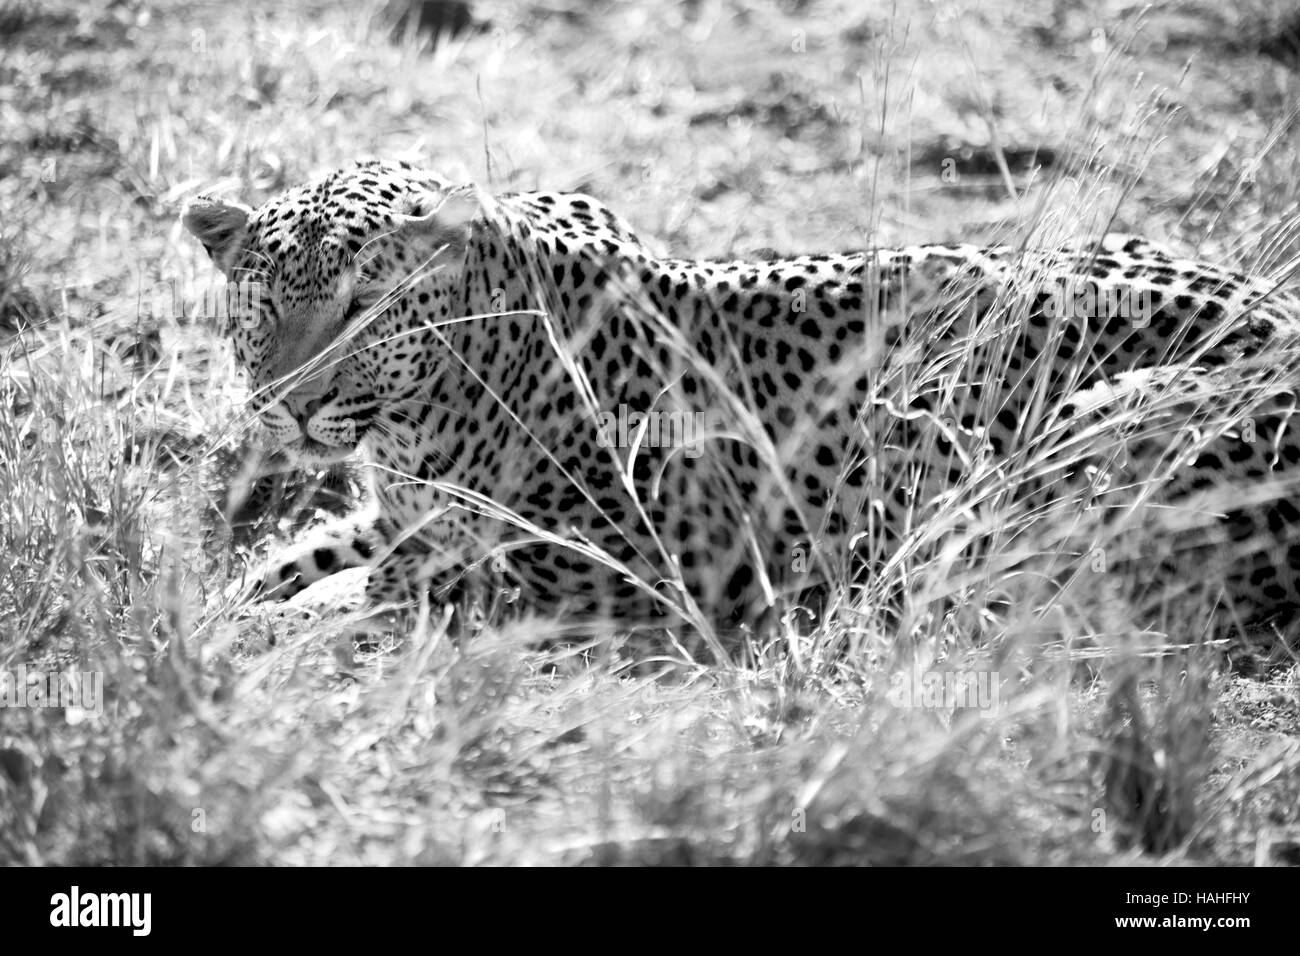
(718, 126)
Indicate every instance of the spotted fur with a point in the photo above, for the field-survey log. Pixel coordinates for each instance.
(491, 356)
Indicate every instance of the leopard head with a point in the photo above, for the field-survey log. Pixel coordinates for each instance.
(334, 290)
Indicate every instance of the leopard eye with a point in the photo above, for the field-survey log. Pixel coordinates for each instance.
(249, 320)
(365, 298)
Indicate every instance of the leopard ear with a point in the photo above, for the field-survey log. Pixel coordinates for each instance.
(441, 225)
(222, 227)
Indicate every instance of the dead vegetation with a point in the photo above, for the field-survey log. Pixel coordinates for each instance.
(721, 127)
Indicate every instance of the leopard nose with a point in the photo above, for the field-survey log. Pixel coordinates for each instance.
(303, 409)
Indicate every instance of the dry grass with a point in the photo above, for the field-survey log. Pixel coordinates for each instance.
(720, 127)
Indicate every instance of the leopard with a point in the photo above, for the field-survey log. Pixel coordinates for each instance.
(547, 404)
